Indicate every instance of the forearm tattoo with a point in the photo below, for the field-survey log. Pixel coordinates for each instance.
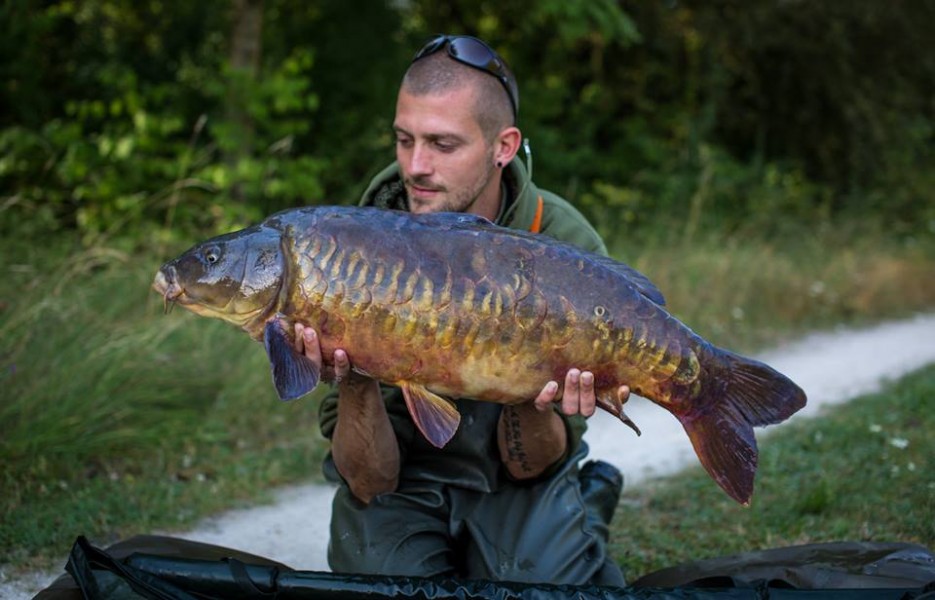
(513, 436)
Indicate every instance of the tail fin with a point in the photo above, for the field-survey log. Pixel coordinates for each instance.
(720, 424)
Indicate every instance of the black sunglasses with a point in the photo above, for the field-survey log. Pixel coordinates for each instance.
(475, 53)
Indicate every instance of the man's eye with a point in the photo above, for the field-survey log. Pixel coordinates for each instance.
(446, 146)
(405, 142)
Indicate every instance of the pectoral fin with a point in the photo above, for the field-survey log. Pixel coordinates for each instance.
(436, 417)
(294, 375)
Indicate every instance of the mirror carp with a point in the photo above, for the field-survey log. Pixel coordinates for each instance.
(451, 305)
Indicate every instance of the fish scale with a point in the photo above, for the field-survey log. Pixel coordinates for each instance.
(449, 305)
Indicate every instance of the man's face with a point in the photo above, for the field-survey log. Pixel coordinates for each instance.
(445, 162)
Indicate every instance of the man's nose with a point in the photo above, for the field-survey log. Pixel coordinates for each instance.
(420, 160)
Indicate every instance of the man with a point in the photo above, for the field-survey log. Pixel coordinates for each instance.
(503, 500)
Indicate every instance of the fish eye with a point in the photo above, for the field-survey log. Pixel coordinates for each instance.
(212, 255)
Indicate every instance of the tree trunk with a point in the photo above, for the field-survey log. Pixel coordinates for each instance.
(246, 45)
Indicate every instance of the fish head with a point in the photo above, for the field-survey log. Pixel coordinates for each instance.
(235, 277)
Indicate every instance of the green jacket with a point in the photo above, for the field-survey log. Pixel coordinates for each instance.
(559, 219)
(471, 459)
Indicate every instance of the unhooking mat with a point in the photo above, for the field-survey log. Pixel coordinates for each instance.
(165, 568)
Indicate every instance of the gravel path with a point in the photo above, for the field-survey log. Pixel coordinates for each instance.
(831, 367)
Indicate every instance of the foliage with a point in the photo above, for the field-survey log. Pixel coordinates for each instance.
(123, 116)
(154, 127)
(858, 474)
(823, 101)
(858, 73)
(719, 193)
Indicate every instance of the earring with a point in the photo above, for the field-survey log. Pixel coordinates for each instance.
(499, 165)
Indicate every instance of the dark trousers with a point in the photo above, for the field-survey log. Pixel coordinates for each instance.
(540, 533)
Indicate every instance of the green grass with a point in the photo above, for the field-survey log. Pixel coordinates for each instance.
(865, 473)
(116, 419)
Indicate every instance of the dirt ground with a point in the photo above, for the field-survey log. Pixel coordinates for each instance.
(831, 368)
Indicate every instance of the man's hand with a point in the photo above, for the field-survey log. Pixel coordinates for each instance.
(532, 437)
(307, 343)
(577, 396)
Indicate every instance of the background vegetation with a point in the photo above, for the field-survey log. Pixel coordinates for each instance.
(123, 116)
(767, 163)
(827, 479)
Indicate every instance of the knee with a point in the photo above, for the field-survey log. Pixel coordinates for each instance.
(415, 555)
(378, 540)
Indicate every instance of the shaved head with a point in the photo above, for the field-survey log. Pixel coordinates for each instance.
(439, 73)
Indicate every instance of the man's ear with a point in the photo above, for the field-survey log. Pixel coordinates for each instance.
(506, 145)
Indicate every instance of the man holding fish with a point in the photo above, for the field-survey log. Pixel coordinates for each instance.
(476, 331)
(504, 498)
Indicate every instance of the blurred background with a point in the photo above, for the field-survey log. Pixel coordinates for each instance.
(134, 115)
(768, 163)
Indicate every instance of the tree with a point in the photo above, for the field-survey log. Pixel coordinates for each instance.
(246, 47)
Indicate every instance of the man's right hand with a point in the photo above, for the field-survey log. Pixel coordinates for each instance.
(307, 343)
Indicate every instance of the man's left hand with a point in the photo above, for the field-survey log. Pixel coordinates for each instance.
(577, 396)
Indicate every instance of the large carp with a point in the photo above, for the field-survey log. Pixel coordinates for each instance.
(453, 305)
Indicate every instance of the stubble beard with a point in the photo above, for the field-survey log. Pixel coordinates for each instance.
(454, 200)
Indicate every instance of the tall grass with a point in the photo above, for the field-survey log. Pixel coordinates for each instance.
(102, 391)
(118, 419)
(745, 291)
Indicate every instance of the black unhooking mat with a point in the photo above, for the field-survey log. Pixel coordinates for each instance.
(166, 568)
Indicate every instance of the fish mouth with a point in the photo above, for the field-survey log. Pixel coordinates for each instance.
(166, 283)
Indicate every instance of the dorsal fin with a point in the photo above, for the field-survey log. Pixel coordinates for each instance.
(468, 221)
(637, 279)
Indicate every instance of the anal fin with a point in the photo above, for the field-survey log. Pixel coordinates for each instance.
(436, 417)
(294, 375)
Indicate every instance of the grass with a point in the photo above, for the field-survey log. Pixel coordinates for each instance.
(866, 473)
(744, 292)
(116, 419)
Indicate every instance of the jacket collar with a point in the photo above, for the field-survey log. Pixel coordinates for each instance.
(386, 190)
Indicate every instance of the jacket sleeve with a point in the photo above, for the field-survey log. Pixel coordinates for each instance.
(395, 409)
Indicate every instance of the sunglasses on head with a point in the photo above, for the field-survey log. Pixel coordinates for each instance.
(474, 53)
